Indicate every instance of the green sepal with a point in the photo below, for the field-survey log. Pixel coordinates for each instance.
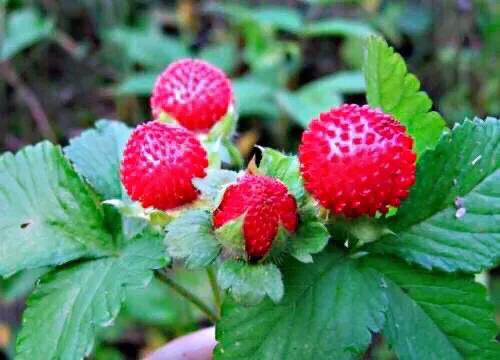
(250, 283)
(279, 245)
(359, 231)
(310, 237)
(285, 168)
(212, 186)
(230, 235)
(167, 119)
(134, 210)
(220, 151)
(225, 127)
(190, 237)
(214, 149)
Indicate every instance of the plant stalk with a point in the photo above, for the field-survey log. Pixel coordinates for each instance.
(215, 288)
(195, 300)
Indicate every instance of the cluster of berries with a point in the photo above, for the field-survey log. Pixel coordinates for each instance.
(354, 160)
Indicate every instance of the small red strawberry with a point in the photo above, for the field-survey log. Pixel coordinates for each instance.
(192, 92)
(266, 204)
(356, 160)
(159, 163)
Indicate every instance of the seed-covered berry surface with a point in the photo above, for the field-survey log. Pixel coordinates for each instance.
(356, 160)
(194, 93)
(159, 164)
(266, 204)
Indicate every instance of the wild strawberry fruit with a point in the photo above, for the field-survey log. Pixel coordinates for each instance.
(192, 92)
(159, 163)
(266, 204)
(356, 160)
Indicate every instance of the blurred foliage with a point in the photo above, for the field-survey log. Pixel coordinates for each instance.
(64, 64)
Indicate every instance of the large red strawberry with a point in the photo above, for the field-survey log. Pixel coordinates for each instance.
(192, 92)
(356, 160)
(159, 163)
(266, 204)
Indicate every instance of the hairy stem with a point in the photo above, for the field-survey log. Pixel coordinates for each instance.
(215, 288)
(195, 300)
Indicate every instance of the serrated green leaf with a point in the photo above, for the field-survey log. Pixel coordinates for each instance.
(24, 28)
(48, 215)
(250, 283)
(329, 310)
(212, 185)
(338, 27)
(285, 168)
(230, 235)
(70, 303)
(464, 165)
(433, 315)
(96, 155)
(190, 237)
(391, 88)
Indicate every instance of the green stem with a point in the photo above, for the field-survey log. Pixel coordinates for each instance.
(215, 288)
(195, 300)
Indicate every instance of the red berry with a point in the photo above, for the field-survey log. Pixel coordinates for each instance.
(194, 93)
(267, 204)
(356, 160)
(159, 163)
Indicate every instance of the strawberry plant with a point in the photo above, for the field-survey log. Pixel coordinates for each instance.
(378, 226)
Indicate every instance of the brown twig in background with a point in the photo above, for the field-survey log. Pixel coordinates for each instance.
(29, 97)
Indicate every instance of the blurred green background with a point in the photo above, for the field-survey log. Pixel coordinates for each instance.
(65, 64)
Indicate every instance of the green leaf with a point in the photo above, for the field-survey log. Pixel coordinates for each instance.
(96, 155)
(275, 17)
(338, 27)
(48, 215)
(285, 168)
(255, 98)
(279, 17)
(70, 303)
(250, 283)
(391, 88)
(223, 55)
(329, 310)
(429, 230)
(159, 305)
(20, 284)
(311, 236)
(303, 107)
(138, 84)
(24, 28)
(190, 237)
(432, 315)
(148, 47)
(213, 184)
(343, 82)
